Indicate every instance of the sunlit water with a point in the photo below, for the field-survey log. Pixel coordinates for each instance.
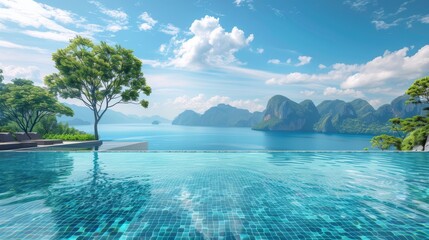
(264, 195)
(170, 137)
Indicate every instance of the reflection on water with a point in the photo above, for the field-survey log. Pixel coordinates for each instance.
(31, 172)
(99, 206)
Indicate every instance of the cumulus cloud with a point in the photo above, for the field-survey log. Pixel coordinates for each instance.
(391, 68)
(118, 19)
(303, 60)
(210, 45)
(201, 103)
(11, 71)
(321, 66)
(260, 50)
(332, 91)
(170, 29)
(148, 22)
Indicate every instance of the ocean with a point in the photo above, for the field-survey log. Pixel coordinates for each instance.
(173, 137)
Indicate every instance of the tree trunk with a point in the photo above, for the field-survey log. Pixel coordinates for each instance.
(96, 119)
(96, 129)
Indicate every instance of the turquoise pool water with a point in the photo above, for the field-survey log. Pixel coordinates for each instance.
(259, 195)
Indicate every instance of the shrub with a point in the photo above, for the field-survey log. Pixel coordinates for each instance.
(71, 137)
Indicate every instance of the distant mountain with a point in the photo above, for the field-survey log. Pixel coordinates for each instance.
(85, 115)
(187, 118)
(334, 116)
(283, 114)
(221, 115)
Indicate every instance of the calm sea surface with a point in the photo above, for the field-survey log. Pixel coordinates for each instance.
(171, 137)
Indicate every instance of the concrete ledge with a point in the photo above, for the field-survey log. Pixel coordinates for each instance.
(67, 145)
(123, 146)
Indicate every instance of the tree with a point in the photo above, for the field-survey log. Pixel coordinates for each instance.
(100, 76)
(411, 131)
(385, 142)
(26, 104)
(419, 91)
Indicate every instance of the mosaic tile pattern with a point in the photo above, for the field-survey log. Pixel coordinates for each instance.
(214, 195)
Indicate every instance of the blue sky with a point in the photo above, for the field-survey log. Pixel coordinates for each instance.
(199, 53)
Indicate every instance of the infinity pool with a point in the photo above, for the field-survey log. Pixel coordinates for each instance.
(197, 195)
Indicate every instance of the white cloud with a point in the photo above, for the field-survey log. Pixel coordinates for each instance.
(392, 67)
(51, 35)
(11, 71)
(118, 19)
(2, 26)
(6, 44)
(303, 60)
(201, 103)
(274, 61)
(332, 91)
(170, 29)
(240, 3)
(307, 93)
(359, 5)
(148, 21)
(209, 45)
(425, 19)
(162, 48)
(145, 27)
(39, 18)
(321, 66)
(260, 50)
(382, 25)
(277, 61)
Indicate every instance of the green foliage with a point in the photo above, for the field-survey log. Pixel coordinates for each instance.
(385, 142)
(101, 76)
(1, 76)
(415, 138)
(9, 127)
(419, 91)
(71, 137)
(49, 125)
(413, 131)
(26, 104)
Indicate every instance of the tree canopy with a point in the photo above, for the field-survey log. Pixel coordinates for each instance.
(26, 104)
(101, 76)
(385, 142)
(412, 131)
(419, 91)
